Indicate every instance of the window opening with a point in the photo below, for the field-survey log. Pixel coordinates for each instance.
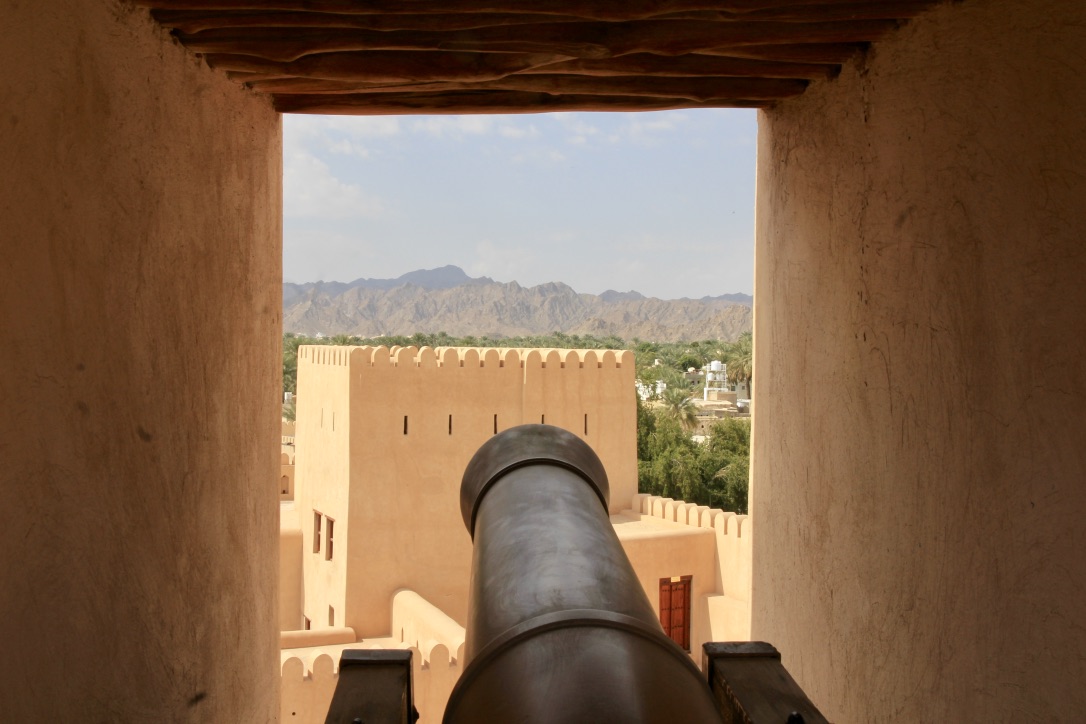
(405, 424)
(329, 528)
(542, 419)
(495, 423)
(586, 424)
(450, 424)
(306, 623)
(316, 531)
(331, 616)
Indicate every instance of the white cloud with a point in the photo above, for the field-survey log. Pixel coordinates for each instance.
(311, 191)
(454, 126)
(539, 157)
(648, 129)
(579, 129)
(339, 135)
(508, 130)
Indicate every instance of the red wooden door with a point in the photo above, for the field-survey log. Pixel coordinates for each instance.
(675, 609)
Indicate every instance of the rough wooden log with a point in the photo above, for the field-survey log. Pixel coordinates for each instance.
(389, 66)
(576, 40)
(470, 102)
(833, 53)
(694, 89)
(690, 65)
(383, 67)
(814, 13)
(190, 21)
(610, 11)
(197, 21)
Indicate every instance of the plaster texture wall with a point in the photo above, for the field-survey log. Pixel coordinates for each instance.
(140, 199)
(919, 456)
(310, 677)
(290, 568)
(393, 486)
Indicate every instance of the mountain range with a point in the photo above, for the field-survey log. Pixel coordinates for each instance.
(448, 300)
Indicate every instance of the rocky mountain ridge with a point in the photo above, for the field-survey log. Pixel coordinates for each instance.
(448, 300)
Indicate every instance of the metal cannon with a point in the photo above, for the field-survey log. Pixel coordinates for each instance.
(559, 628)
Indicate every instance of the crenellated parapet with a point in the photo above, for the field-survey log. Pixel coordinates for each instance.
(309, 679)
(732, 525)
(729, 609)
(466, 357)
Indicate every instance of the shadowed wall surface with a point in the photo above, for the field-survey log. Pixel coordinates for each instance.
(920, 377)
(140, 199)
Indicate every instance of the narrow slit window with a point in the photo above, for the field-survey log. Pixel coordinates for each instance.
(331, 616)
(316, 532)
(405, 424)
(329, 529)
(586, 423)
(542, 419)
(306, 623)
(495, 423)
(450, 424)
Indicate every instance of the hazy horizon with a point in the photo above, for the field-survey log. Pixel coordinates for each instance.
(500, 281)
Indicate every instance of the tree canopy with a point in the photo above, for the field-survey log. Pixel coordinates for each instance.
(670, 463)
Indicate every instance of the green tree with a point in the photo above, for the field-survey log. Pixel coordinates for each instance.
(740, 360)
(679, 405)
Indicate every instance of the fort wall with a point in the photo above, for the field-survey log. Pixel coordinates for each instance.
(322, 435)
(140, 288)
(309, 680)
(416, 416)
(722, 599)
(920, 254)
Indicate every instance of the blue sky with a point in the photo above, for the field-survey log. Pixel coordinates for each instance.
(658, 202)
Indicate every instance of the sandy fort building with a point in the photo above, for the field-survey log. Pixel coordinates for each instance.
(374, 551)
(383, 438)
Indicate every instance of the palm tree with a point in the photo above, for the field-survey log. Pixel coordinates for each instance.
(680, 405)
(740, 360)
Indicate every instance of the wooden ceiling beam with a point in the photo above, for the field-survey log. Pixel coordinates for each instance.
(428, 66)
(693, 89)
(831, 53)
(470, 102)
(576, 40)
(610, 11)
(195, 21)
(198, 21)
(687, 66)
(381, 66)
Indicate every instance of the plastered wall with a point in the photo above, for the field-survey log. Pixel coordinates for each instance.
(919, 456)
(139, 285)
(711, 544)
(403, 526)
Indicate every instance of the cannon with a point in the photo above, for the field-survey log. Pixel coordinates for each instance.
(559, 628)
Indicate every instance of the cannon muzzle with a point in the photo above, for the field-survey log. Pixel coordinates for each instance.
(559, 628)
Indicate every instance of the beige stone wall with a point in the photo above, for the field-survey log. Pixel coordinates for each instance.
(322, 436)
(140, 199)
(920, 545)
(402, 526)
(711, 544)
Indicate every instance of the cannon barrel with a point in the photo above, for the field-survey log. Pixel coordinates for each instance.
(559, 628)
